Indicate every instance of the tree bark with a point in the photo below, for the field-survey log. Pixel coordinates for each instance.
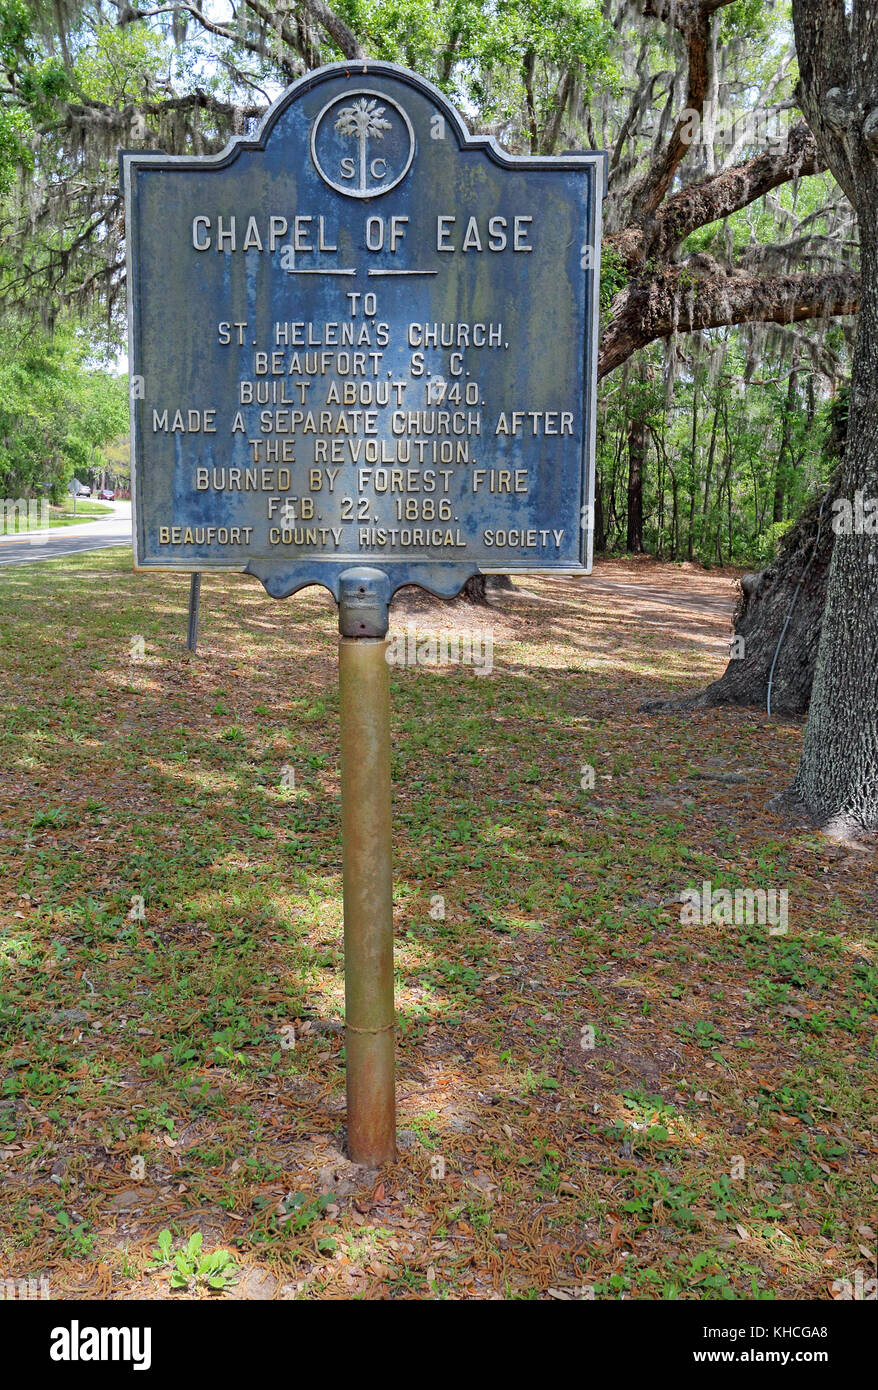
(836, 784)
(476, 589)
(480, 586)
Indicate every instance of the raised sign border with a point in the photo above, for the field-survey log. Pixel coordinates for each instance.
(442, 578)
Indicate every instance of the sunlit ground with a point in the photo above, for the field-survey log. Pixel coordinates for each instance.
(593, 1097)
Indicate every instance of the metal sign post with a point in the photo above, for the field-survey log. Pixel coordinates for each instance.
(363, 350)
(194, 605)
(364, 715)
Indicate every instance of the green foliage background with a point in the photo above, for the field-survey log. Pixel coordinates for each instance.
(732, 448)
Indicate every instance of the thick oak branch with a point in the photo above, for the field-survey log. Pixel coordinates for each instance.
(692, 18)
(675, 301)
(699, 204)
(118, 119)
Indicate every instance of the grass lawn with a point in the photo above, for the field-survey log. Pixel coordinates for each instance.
(61, 516)
(85, 511)
(593, 1098)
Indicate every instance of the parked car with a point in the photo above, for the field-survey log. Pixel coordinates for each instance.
(83, 490)
(107, 494)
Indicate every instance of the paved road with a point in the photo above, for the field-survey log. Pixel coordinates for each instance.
(27, 549)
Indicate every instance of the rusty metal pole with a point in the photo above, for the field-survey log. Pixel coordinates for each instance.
(364, 713)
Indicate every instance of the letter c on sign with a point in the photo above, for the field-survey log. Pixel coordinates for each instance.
(376, 171)
(200, 245)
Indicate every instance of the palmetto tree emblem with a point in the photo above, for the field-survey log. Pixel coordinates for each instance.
(363, 116)
(365, 120)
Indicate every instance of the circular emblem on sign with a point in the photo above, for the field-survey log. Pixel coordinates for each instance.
(362, 144)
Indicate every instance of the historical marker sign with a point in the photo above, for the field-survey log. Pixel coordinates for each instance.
(363, 337)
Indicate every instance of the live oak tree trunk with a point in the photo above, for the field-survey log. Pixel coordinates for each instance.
(475, 589)
(792, 588)
(836, 785)
(480, 586)
(831, 645)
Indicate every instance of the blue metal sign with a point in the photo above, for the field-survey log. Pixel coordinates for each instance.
(363, 337)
